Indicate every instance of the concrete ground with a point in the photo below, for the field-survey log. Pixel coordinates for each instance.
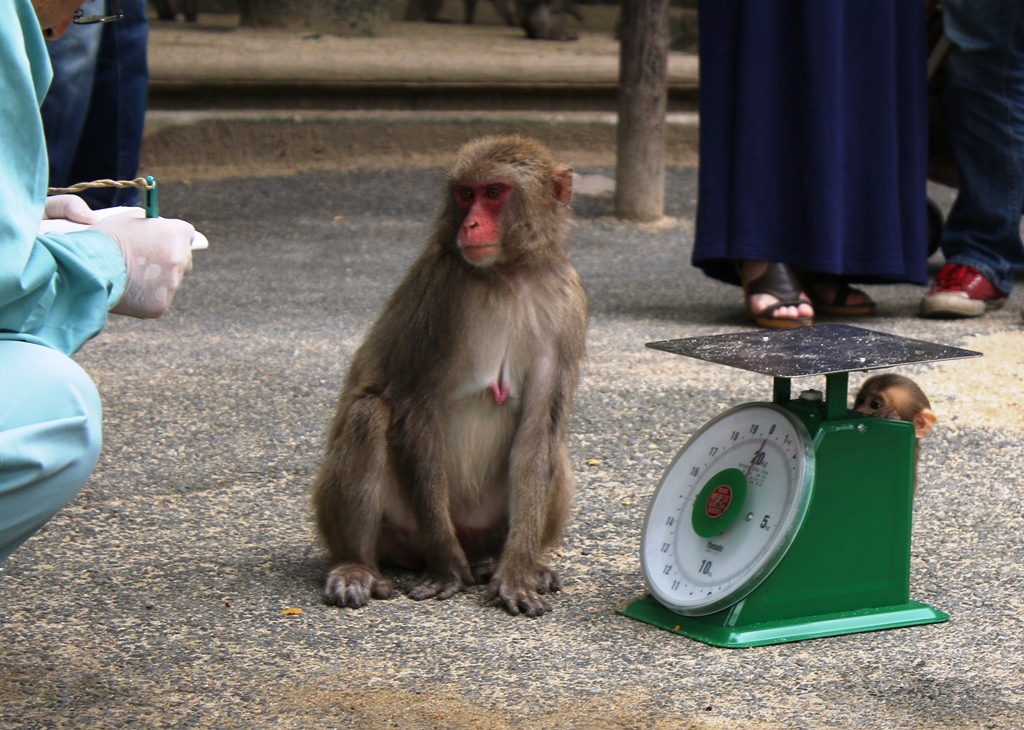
(182, 587)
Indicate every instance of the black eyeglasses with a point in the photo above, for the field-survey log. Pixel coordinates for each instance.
(82, 19)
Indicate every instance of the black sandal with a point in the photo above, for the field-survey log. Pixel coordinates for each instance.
(838, 306)
(776, 281)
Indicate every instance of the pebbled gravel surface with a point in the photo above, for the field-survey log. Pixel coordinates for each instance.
(182, 587)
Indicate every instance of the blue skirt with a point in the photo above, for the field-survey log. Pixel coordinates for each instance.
(813, 137)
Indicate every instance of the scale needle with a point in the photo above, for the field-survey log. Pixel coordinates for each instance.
(760, 450)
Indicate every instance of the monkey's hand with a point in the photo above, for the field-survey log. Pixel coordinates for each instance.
(353, 585)
(523, 592)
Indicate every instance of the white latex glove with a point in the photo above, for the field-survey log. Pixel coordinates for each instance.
(157, 254)
(68, 207)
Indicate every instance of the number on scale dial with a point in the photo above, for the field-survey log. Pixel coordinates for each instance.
(727, 508)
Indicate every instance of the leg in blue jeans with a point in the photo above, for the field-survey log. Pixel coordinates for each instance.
(983, 104)
(102, 137)
(66, 105)
(50, 435)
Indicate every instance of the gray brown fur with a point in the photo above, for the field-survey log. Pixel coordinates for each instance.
(422, 460)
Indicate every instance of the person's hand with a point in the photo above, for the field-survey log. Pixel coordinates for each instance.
(157, 255)
(69, 207)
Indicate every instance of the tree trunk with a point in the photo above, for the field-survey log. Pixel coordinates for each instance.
(338, 17)
(643, 90)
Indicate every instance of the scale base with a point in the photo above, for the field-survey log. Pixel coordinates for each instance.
(705, 629)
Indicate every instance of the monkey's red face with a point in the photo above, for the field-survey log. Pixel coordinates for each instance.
(481, 206)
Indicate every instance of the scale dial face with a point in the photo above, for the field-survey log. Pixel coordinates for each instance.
(727, 508)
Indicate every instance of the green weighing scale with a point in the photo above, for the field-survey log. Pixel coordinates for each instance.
(788, 520)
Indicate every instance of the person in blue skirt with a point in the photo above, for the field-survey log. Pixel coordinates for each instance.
(813, 152)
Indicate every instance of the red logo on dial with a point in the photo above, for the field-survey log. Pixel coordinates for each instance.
(718, 501)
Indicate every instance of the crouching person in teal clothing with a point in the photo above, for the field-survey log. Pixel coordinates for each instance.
(57, 288)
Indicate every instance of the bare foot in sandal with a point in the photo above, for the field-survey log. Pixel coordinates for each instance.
(774, 298)
(831, 295)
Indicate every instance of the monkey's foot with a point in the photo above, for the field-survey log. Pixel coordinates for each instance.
(436, 587)
(354, 584)
(444, 579)
(524, 595)
(482, 572)
(548, 580)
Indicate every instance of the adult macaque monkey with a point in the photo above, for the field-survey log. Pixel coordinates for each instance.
(894, 396)
(447, 452)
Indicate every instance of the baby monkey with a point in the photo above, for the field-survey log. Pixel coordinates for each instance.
(896, 397)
